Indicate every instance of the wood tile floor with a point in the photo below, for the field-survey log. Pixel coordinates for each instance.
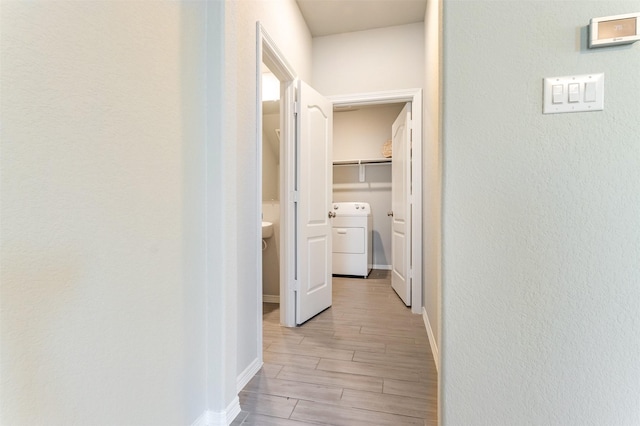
(364, 361)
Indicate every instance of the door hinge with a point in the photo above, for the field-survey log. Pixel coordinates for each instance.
(295, 285)
(410, 274)
(295, 196)
(296, 107)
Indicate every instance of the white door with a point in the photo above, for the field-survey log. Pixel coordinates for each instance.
(315, 183)
(400, 205)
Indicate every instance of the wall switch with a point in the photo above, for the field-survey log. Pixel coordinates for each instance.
(557, 93)
(576, 93)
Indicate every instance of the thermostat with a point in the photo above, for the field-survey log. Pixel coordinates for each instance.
(614, 30)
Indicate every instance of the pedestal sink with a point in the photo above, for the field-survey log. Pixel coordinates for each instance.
(267, 229)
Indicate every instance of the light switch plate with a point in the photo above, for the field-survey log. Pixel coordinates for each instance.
(587, 100)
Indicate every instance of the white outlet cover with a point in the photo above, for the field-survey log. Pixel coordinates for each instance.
(581, 105)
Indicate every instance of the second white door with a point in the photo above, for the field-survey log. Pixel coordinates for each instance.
(315, 183)
(400, 205)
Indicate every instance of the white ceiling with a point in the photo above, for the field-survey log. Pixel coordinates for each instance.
(326, 17)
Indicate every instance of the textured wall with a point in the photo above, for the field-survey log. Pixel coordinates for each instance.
(102, 258)
(541, 292)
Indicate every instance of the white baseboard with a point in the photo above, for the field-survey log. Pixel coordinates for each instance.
(248, 374)
(386, 267)
(432, 338)
(271, 298)
(219, 418)
(232, 411)
(203, 420)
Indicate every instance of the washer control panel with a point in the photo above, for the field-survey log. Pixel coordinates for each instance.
(352, 209)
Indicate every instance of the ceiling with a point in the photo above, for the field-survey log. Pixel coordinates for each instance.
(327, 17)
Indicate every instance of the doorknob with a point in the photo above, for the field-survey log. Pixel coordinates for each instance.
(390, 213)
(332, 214)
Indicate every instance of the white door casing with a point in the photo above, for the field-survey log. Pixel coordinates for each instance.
(414, 96)
(400, 205)
(315, 183)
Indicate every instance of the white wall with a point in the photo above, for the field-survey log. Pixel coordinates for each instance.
(271, 254)
(432, 177)
(270, 157)
(360, 134)
(270, 198)
(369, 61)
(130, 206)
(541, 238)
(284, 23)
(102, 256)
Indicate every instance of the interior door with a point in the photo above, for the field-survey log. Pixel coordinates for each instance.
(400, 205)
(315, 182)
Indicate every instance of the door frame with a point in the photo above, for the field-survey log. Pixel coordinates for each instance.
(269, 53)
(415, 97)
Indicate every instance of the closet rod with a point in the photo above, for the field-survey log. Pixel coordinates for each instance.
(357, 162)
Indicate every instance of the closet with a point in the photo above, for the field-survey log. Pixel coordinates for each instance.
(360, 171)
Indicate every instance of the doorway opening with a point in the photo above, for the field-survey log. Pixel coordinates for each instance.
(414, 98)
(269, 56)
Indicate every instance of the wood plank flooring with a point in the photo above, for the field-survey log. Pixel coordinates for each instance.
(364, 361)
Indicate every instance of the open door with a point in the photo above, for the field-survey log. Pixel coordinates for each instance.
(313, 212)
(401, 206)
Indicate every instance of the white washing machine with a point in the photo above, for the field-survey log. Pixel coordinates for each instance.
(352, 239)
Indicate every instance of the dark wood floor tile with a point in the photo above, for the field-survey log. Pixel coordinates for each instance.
(394, 404)
(366, 369)
(350, 416)
(344, 343)
(310, 350)
(269, 405)
(262, 420)
(331, 378)
(289, 359)
(364, 361)
(293, 389)
(419, 362)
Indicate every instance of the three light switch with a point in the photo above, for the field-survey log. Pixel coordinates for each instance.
(573, 93)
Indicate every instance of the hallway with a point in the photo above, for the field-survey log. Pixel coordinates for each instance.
(364, 361)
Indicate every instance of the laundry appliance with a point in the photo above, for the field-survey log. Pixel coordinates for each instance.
(352, 239)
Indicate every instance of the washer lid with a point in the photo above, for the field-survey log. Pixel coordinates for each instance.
(354, 208)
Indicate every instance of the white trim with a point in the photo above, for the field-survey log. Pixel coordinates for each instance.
(271, 298)
(385, 267)
(258, 221)
(219, 418)
(269, 52)
(203, 420)
(248, 374)
(432, 338)
(376, 98)
(415, 97)
(232, 411)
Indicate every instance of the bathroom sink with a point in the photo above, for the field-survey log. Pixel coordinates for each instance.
(267, 229)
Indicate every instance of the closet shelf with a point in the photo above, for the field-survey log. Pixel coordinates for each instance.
(361, 164)
(363, 161)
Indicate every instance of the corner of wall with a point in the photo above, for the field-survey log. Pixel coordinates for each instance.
(219, 418)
